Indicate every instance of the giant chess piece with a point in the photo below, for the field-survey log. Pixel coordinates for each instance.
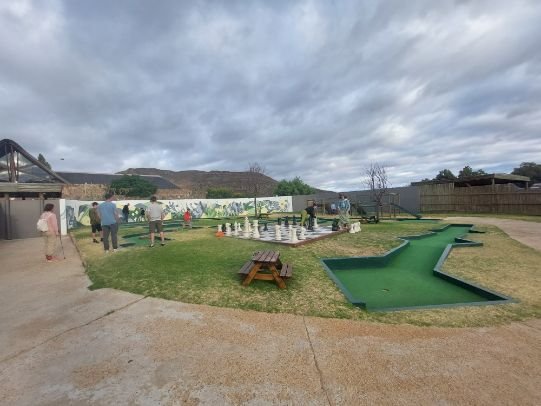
(315, 223)
(293, 236)
(277, 233)
(335, 225)
(228, 229)
(279, 221)
(223, 228)
(352, 228)
(246, 226)
(236, 230)
(287, 221)
(255, 233)
(219, 228)
(301, 235)
(310, 224)
(294, 220)
(265, 229)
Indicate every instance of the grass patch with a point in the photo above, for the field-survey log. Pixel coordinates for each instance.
(197, 267)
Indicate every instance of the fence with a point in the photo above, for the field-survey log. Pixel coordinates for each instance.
(506, 199)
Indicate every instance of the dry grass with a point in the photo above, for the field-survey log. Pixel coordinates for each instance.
(199, 268)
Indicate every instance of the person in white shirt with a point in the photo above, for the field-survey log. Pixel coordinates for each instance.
(154, 214)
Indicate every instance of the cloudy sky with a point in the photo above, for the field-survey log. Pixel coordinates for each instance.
(316, 89)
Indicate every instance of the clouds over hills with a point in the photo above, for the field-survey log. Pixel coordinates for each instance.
(316, 89)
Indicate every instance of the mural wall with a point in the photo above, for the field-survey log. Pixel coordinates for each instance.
(77, 210)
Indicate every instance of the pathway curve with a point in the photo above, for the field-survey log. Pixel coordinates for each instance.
(526, 232)
(63, 344)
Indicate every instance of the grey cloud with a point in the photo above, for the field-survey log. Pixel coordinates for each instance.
(312, 89)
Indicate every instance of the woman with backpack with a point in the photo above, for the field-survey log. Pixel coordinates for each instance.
(48, 226)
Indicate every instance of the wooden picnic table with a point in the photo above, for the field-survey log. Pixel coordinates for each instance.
(266, 265)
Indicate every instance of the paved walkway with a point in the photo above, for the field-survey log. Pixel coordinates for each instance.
(63, 344)
(526, 232)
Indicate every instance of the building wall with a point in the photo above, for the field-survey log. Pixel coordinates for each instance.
(77, 210)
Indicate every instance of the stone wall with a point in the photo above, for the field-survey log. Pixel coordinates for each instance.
(96, 192)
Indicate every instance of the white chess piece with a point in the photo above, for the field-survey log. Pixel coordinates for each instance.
(277, 233)
(228, 229)
(219, 227)
(236, 231)
(302, 236)
(255, 233)
(315, 223)
(293, 235)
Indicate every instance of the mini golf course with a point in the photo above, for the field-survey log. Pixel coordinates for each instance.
(409, 276)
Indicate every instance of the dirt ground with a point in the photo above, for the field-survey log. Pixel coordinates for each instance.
(61, 344)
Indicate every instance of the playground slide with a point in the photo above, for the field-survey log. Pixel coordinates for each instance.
(416, 215)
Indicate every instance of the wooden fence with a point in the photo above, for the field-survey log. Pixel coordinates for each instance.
(480, 199)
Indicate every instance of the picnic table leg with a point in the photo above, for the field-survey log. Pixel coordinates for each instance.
(279, 281)
(251, 274)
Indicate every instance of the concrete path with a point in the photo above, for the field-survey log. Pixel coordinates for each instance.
(61, 344)
(526, 232)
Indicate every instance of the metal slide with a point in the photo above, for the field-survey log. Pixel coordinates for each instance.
(416, 215)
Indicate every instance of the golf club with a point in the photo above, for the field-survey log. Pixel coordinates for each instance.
(62, 246)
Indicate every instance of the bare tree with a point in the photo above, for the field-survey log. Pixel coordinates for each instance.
(255, 170)
(378, 183)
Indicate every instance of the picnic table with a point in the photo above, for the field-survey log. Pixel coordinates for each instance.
(266, 265)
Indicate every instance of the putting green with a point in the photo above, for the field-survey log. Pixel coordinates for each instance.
(406, 277)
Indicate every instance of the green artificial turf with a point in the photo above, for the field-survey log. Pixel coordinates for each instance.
(408, 280)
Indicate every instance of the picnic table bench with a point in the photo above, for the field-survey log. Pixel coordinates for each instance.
(266, 265)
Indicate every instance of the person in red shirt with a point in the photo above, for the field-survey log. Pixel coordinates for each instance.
(187, 219)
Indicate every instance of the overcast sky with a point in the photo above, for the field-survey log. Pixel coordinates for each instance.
(316, 89)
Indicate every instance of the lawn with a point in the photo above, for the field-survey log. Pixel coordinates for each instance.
(197, 267)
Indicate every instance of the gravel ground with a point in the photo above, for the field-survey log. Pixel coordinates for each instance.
(63, 344)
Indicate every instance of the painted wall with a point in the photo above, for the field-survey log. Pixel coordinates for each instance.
(77, 210)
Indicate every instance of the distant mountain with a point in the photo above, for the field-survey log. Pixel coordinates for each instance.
(196, 183)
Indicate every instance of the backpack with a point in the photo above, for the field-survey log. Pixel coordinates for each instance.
(42, 225)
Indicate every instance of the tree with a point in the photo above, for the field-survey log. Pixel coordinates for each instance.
(293, 187)
(377, 181)
(220, 193)
(255, 170)
(530, 169)
(133, 186)
(445, 174)
(42, 159)
(467, 172)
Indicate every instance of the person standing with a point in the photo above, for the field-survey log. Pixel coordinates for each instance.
(187, 218)
(95, 222)
(126, 212)
(50, 231)
(109, 222)
(155, 220)
(343, 211)
(310, 214)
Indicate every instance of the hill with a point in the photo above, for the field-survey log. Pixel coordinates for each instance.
(194, 184)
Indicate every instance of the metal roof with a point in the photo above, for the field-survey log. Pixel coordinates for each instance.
(80, 178)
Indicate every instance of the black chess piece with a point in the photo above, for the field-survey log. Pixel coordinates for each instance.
(279, 221)
(223, 228)
(287, 221)
(294, 221)
(310, 224)
(335, 226)
(265, 228)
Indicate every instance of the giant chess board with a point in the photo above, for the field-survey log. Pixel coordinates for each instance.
(319, 233)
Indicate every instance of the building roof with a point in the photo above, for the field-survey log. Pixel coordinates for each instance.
(489, 179)
(80, 178)
(18, 166)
